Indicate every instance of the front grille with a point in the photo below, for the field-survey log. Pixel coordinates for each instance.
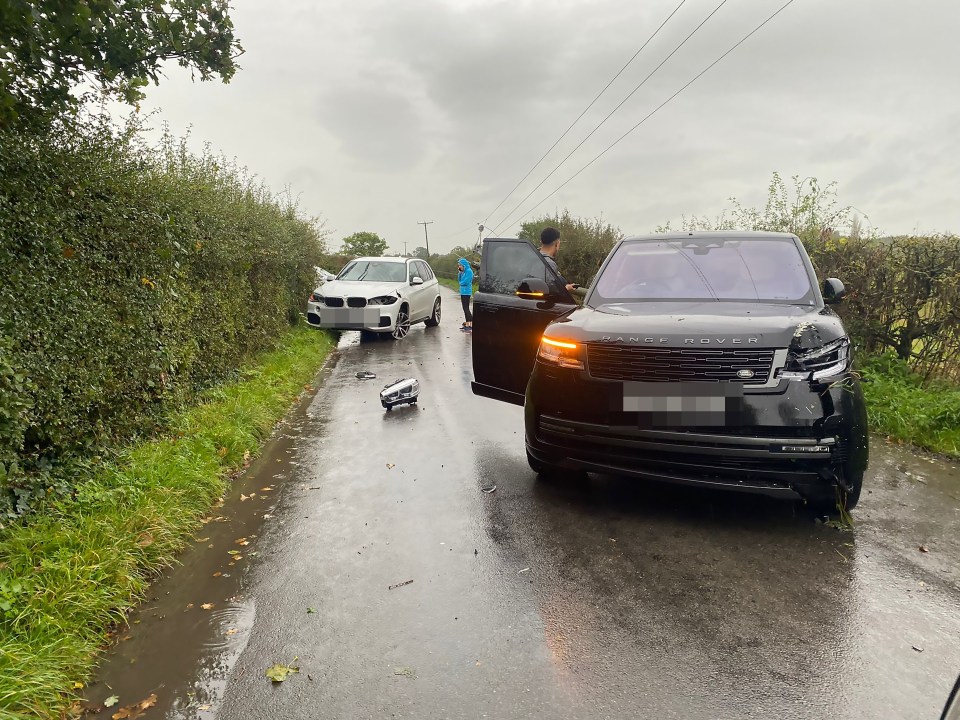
(334, 302)
(356, 302)
(660, 364)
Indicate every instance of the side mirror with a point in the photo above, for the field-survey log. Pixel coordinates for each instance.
(533, 289)
(417, 280)
(833, 291)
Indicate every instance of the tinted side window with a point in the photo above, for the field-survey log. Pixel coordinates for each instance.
(505, 264)
(425, 272)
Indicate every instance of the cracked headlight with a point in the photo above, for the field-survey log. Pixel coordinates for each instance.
(382, 300)
(822, 362)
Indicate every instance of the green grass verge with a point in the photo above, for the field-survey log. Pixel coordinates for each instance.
(901, 407)
(70, 572)
(453, 284)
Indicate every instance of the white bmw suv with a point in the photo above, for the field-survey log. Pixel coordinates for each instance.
(378, 295)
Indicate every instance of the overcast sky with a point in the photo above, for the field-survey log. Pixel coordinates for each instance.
(380, 113)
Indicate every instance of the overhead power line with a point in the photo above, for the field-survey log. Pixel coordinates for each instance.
(584, 112)
(610, 114)
(654, 111)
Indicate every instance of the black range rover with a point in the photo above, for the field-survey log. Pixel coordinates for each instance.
(708, 359)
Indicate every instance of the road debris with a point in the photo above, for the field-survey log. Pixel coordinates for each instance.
(399, 585)
(924, 548)
(278, 673)
(488, 490)
(406, 672)
(523, 571)
(366, 375)
(918, 649)
(131, 712)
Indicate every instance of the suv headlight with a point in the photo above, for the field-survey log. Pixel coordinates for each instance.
(560, 352)
(316, 298)
(822, 362)
(382, 300)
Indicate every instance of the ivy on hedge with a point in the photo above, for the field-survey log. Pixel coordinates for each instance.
(130, 278)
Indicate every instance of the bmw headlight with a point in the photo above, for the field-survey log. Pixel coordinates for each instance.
(316, 298)
(382, 300)
(822, 362)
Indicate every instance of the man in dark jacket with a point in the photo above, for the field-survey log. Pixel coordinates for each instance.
(549, 247)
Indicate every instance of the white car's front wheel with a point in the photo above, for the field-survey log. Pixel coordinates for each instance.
(434, 318)
(402, 326)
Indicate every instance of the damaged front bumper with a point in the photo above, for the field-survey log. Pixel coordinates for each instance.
(373, 318)
(794, 438)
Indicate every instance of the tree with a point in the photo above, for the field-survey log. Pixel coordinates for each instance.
(364, 244)
(421, 252)
(807, 210)
(49, 48)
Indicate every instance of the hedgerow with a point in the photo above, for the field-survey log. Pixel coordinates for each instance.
(132, 277)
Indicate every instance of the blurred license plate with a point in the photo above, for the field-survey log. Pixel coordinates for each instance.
(350, 317)
(684, 404)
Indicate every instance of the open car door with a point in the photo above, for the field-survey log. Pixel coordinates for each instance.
(518, 296)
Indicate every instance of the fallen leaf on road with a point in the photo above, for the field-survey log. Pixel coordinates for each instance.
(207, 606)
(266, 489)
(202, 539)
(243, 497)
(278, 673)
(406, 672)
(204, 707)
(130, 712)
(391, 466)
(231, 631)
(233, 552)
(189, 606)
(310, 611)
(242, 541)
(918, 649)
(111, 701)
(217, 574)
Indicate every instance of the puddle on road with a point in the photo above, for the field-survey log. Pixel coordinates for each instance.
(173, 646)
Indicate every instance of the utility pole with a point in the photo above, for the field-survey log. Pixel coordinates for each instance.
(426, 239)
(404, 248)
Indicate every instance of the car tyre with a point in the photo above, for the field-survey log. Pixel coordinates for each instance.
(434, 318)
(548, 471)
(402, 326)
(837, 500)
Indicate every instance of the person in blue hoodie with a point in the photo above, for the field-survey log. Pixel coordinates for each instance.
(465, 274)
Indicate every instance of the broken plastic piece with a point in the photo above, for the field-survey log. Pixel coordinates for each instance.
(366, 375)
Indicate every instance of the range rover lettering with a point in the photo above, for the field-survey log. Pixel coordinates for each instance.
(708, 359)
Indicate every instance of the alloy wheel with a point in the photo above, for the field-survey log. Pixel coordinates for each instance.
(402, 327)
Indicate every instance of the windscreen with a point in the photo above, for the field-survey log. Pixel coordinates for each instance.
(374, 270)
(758, 270)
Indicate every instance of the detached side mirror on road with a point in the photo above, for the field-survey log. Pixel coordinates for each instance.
(833, 291)
(533, 289)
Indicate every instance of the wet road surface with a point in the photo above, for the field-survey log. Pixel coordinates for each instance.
(611, 599)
